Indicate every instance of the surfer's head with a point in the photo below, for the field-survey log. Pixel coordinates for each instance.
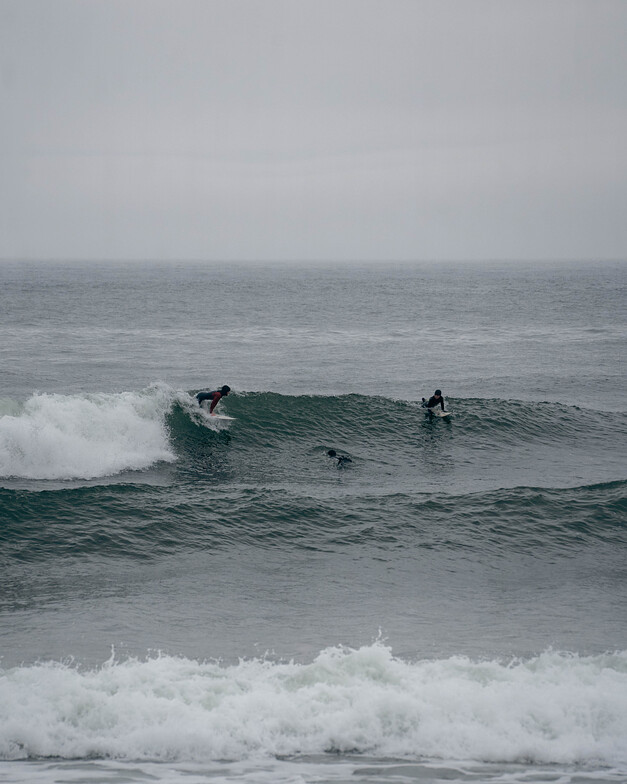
(225, 390)
(332, 453)
(438, 393)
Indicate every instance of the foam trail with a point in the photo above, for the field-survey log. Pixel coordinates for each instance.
(555, 708)
(85, 436)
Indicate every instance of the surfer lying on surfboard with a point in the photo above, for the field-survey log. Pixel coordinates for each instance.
(341, 459)
(435, 400)
(214, 396)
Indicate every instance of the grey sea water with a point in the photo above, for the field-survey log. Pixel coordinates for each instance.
(183, 600)
(521, 331)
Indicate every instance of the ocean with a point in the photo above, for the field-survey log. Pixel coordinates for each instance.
(191, 600)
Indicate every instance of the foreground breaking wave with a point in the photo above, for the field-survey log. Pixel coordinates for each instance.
(554, 708)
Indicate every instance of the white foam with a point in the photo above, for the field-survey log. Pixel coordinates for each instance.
(85, 436)
(555, 708)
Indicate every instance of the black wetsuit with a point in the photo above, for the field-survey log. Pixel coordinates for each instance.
(433, 401)
(341, 459)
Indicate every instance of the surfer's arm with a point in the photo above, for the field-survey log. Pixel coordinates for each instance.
(442, 403)
(214, 402)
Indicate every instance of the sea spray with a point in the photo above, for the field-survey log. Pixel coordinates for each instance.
(84, 436)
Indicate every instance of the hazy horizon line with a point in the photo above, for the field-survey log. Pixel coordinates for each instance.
(269, 260)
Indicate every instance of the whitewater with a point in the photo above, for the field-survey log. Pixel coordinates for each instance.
(550, 709)
(183, 600)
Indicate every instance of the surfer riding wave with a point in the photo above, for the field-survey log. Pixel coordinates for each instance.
(214, 396)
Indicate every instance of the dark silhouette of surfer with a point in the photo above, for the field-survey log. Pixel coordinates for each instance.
(341, 459)
(435, 400)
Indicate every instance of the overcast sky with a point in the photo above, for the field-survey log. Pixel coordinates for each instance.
(313, 129)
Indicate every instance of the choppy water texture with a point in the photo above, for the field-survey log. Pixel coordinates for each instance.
(188, 600)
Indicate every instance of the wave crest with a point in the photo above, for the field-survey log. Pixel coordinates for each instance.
(55, 436)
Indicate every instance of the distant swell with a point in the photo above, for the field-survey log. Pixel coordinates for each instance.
(143, 522)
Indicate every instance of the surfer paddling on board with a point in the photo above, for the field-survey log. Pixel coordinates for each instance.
(435, 400)
(214, 396)
(341, 459)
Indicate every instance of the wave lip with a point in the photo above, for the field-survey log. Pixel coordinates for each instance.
(85, 436)
(554, 708)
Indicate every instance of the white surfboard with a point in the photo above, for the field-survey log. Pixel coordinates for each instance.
(217, 418)
(439, 413)
(204, 407)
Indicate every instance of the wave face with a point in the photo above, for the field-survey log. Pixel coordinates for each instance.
(89, 436)
(553, 708)
(162, 475)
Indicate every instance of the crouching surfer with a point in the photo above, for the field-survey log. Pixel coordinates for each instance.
(214, 396)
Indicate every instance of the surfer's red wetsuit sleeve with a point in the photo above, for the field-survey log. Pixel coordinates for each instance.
(214, 402)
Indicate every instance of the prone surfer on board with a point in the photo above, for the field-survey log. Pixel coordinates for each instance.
(341, 459)
(435, 400)
(214, 396)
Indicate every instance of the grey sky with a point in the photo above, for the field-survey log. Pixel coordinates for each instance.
(313, 129)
